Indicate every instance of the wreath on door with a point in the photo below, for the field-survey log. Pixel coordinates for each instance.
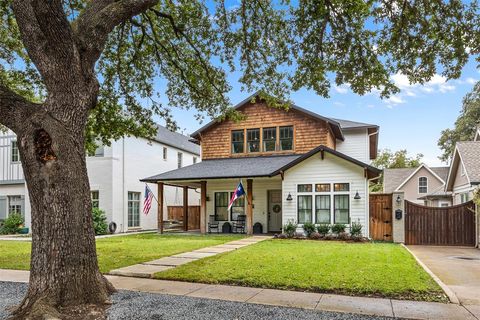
(276, 208)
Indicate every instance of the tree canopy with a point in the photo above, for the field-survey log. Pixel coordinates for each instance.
(276, 47)
(465, 125)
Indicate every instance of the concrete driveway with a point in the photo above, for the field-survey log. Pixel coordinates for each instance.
(457, 267)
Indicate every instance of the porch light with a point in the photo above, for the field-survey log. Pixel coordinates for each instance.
(399, 200)
(357, 196)
(289, 197)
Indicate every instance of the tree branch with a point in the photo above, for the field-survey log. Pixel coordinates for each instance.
(47, 36)
(14, 109)
(94, 25)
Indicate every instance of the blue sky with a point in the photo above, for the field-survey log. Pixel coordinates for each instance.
(412, 119)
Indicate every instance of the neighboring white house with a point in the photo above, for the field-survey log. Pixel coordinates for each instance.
(114, 173)
(295, 165)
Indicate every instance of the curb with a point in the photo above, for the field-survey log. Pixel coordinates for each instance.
(450, 294)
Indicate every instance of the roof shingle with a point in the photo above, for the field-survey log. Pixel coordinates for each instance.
(470, 154)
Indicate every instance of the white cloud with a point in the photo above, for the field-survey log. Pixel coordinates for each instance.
(394, 100)
(339, 104)
(342, 89)
(471, 80)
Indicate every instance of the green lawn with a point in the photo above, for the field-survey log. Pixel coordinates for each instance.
(117, 252)
(369, 269)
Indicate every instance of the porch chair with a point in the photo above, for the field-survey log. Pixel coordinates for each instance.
(239, 225)
(212, 224)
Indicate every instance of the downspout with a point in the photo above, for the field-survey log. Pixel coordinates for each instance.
(124, 227)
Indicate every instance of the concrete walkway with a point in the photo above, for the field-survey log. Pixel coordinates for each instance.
(304, 300)
(148, 269)
(458, 268)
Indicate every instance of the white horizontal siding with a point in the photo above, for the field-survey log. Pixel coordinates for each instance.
(330, 170)
(356, 144)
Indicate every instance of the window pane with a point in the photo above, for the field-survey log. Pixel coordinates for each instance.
(95, 199)
(422, 185)
(269, 139)
(322, 209)
(15, 153)
(221, 204)
(286, 138)
(133, 209)
(238, 207)
(237, 141)
(253, 140)
(322, 187)
(342, 211)
(304, 188)
(304, 209)
(164, 153)
(180, 160)
(341, 187)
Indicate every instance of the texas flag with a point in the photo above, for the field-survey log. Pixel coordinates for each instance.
(239, 192)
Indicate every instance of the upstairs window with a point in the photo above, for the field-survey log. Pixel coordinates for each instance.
(286, 138)
(15, 152)
(253, 140)
(422, 185)
(180, 160)
(238, 138)
(194, 160)
(269, 139)
(165, 152)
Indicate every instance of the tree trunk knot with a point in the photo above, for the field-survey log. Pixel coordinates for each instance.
(43, 146)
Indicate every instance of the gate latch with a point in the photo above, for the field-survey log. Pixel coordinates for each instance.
(387, 235)
(387, 221)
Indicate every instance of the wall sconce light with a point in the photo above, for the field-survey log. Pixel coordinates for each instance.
(357, 196)
(399, 200)
(289, 197)
(207, 198)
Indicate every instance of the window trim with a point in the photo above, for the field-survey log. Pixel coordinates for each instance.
(261, 149)
(275, 139)
(329, 197)
(259, 140)
(426, 186)
(280, 140)
(310, 195)
(14, 146)
(95, 200)
(334, 207)
(243, 142)
(18, 202)
(215, 205)
(139, 209)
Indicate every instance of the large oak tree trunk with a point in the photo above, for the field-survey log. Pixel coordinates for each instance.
(64, 270)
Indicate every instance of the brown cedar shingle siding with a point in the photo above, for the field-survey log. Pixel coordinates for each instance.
(308, 131)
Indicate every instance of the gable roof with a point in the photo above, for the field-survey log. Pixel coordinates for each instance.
(334, 125)
(262, 166)
(437, 193)
(176, 140)
(468, 154)
(395, 178)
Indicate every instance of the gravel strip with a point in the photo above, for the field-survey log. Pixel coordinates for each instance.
(139, 305)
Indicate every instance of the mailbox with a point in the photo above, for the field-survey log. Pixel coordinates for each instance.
(398, 214)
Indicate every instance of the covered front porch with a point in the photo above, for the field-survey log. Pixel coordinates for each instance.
(260, 207)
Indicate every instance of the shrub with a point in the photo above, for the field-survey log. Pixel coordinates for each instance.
(282, 236)
(323, 229)
(290, 228)
(99, 221)
(343, 236)
(356, 230)
(309, 228)
(12, 224)
(315, 236)
(338, 228)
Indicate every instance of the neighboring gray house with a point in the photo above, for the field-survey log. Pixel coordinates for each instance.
(464, 174)
(423, 185)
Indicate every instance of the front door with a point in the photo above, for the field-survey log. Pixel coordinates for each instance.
(275, 210)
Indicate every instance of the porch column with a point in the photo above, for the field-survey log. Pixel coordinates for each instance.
(249, 206)
(160, 207)
(185, 208)
(203, 206)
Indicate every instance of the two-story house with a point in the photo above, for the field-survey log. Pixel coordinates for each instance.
(294, 164)
(114, 172)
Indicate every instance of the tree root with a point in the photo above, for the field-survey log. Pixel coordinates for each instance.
(46, 307)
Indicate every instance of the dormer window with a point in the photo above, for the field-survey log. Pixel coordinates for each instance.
(286, 138)
(15, 152)
(253, 140)
(238, 139)
(422, 185)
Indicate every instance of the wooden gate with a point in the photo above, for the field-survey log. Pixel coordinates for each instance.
(442, 226)
(381, 217)
(176, 213)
